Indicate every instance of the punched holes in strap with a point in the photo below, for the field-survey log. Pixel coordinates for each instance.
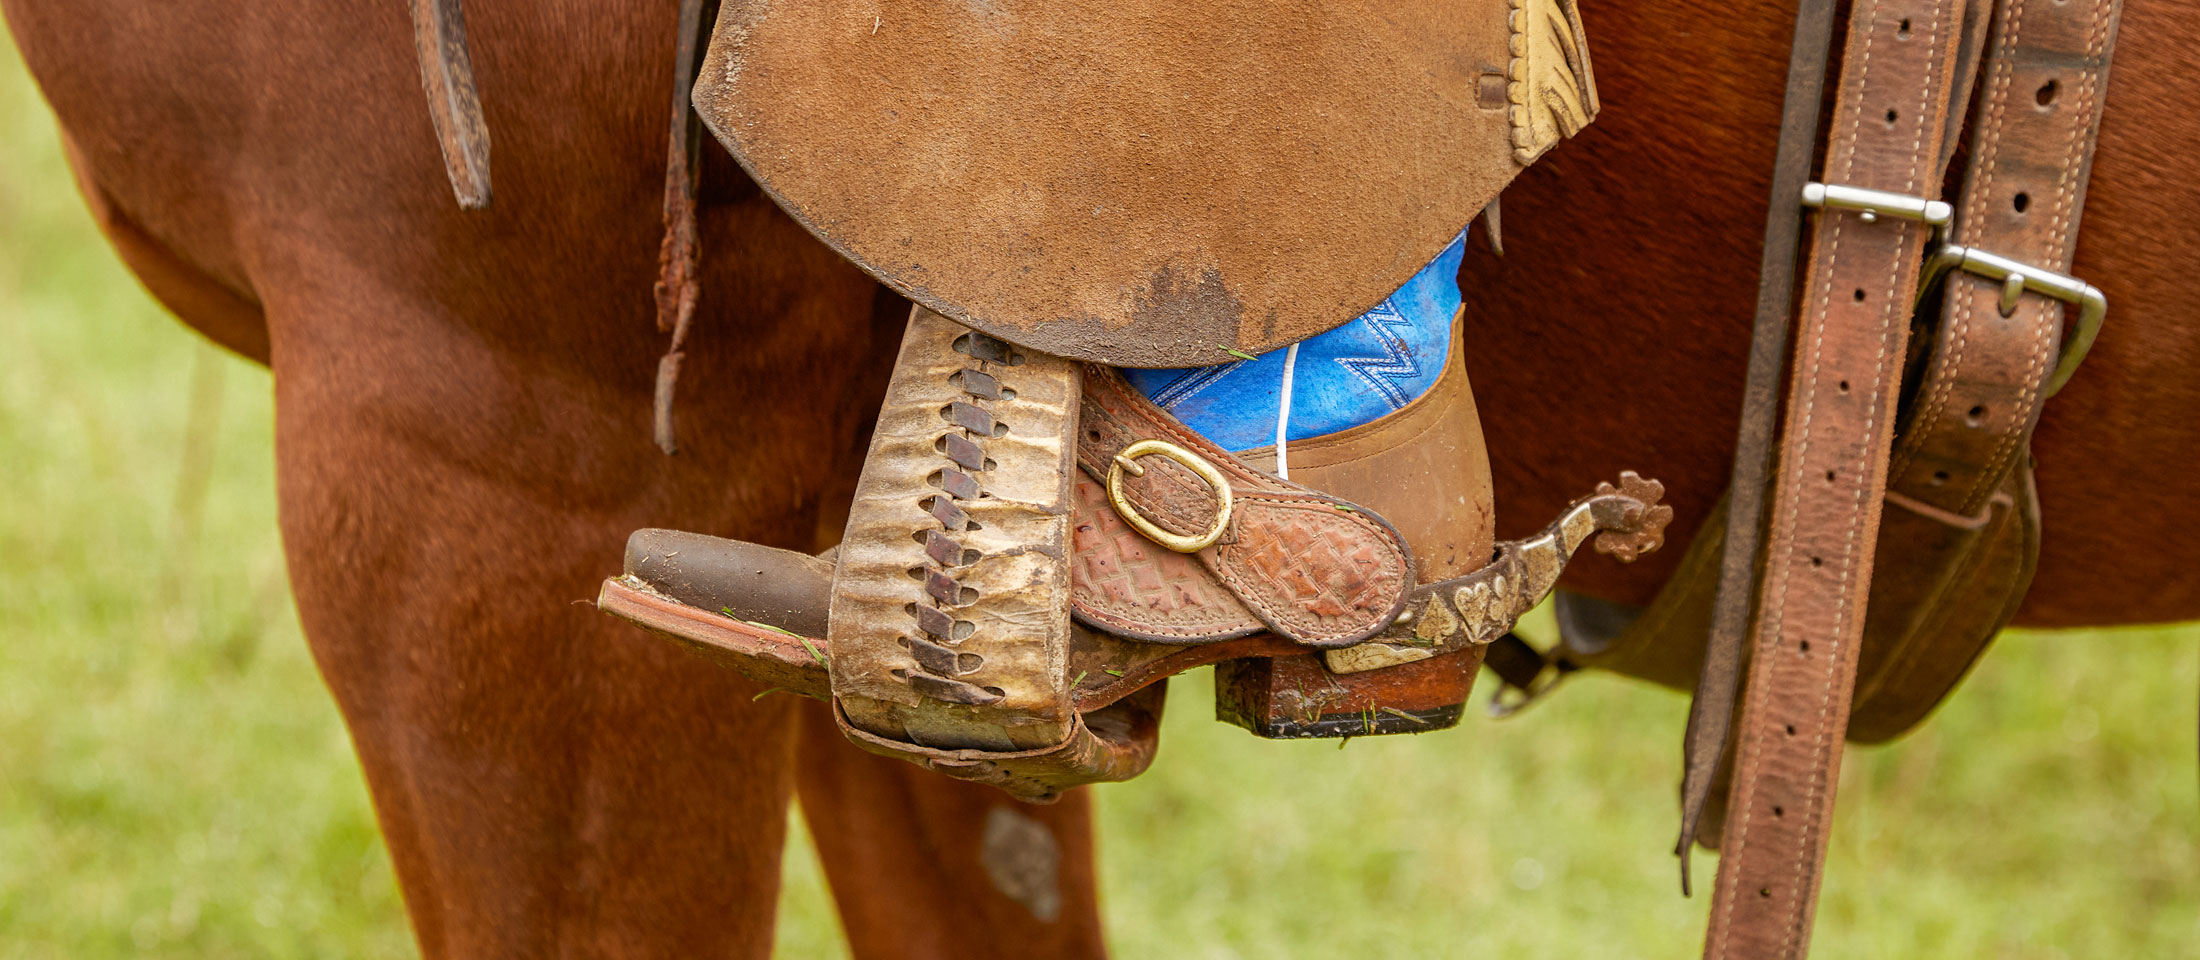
(1896, 87)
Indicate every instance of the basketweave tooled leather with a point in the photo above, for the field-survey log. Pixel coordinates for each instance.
(1309, 566)
(1890, 117)
(1144, 183)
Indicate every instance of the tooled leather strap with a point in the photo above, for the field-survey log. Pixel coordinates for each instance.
(1897, 84)
(1311, 567)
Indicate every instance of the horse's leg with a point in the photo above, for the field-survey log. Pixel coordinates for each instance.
(460, 462)
(945, 868)
(549, 781)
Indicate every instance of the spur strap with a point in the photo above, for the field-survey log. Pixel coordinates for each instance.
(1180, 541)
(1897, 84)
(1274, 556)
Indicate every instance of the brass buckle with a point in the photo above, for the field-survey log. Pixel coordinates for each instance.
(1127, 462)
(2018, 278)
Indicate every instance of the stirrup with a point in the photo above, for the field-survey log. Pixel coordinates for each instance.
(1034, 546)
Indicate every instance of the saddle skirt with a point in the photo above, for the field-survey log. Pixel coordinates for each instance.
(1144, 184)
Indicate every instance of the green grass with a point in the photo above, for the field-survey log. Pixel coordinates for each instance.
(175, 782)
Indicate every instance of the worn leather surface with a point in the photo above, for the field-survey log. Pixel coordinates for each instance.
(948, 628)
(1960, 484)
(1896, 85)
(772, 657)
(746, 581)
(1112, 744)
(454, 101)
(1141, 184)
(1947, 586)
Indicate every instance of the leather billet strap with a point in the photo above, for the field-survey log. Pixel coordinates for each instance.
(2039, 110)
(1898, 82)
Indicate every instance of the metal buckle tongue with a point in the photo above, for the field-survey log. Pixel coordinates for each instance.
(1871, 204)
(2018, 278)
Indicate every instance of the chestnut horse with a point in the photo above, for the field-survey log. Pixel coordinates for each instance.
(463, 437)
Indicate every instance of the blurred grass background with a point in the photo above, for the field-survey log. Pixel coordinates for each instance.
(175, 782)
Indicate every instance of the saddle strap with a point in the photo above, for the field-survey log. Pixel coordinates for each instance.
(1897, 84)
(678, 254)
(2039, 112)
(454, 102)
(1960, 471)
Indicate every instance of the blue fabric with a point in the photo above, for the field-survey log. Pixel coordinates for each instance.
(1348, 376)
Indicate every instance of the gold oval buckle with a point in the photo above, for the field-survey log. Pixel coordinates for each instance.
(1127, 462)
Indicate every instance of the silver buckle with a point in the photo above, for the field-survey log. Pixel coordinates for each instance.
(1871, 204)
(2017, 278)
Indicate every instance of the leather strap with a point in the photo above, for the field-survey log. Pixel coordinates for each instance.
(454, 103)
(1897, 83)
(1310, 566)
(2031, 155)
(678, 253)
(1711, 711)
(1304, 564)
(1960, 472)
